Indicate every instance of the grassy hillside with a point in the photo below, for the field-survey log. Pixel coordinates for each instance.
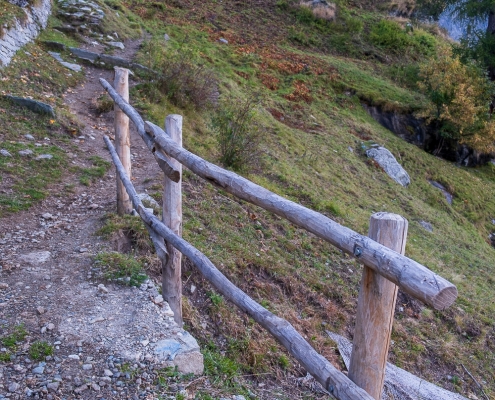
(313, 76)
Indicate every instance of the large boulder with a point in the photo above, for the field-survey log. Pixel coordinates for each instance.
(387, 161)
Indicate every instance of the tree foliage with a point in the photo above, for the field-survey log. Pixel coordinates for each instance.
(460, 95)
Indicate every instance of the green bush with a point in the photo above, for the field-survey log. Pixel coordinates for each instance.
(238, 134)
(390, 35)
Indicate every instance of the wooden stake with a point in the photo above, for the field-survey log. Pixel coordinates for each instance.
(172, 218)
(122, 139)
(375, 310)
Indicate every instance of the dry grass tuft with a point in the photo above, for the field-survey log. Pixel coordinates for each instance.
(326, 11)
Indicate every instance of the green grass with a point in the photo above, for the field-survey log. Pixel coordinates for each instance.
(39, 350)
(122, 268)
(18, 334)
(97, 171)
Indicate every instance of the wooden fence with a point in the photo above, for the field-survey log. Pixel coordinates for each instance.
(385, 267)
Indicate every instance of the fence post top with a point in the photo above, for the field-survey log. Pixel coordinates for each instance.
(176, 117)
(382, 215)
(115, 68)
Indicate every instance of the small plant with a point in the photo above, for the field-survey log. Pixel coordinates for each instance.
(98, 170)
(40, 350)
(5, 356)
(238, 134)
(216, 299)
(187, 82)
(104, 104)
(122, 267)
(132, 227)
(284, 362)
(18, 335)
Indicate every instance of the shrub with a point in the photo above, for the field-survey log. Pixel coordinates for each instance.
(460, 96)
(186, 82)
(390, 35)
(237, 132)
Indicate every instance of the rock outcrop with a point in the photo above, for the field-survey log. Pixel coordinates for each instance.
(387, 161)
(22, 32)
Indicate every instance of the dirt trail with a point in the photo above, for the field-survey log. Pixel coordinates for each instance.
(109, 341)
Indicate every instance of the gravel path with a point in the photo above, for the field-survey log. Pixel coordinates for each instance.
(109, 341)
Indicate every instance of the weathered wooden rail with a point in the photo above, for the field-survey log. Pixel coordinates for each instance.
(382, 253)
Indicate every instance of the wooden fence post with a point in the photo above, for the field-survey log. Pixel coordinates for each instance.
(122, 139)
(172, 218)
(375, 310)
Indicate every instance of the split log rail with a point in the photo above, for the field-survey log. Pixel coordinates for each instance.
(385, 267)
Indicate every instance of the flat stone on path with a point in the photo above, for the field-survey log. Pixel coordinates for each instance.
(38, 257)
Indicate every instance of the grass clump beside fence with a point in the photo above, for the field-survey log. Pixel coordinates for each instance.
(122, 268)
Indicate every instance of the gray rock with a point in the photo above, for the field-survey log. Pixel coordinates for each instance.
(166, 37)
(148, 201)
(387, 161)
(35, 258)
(38, 370)
(25, 153)
(5, 153)
(426, 225)
(107, 372)
(56, 56)
(50, 327)
(29, 137)
(44, 157)
(167, 349)
(443, 189)
(95, 387)
(87, 367)
(190, 363)
(14, 387)
(33, 105)
(118, 45)
(73, 67)
(224, 41)
(102, 288)
(53, 386)
(84, 54)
